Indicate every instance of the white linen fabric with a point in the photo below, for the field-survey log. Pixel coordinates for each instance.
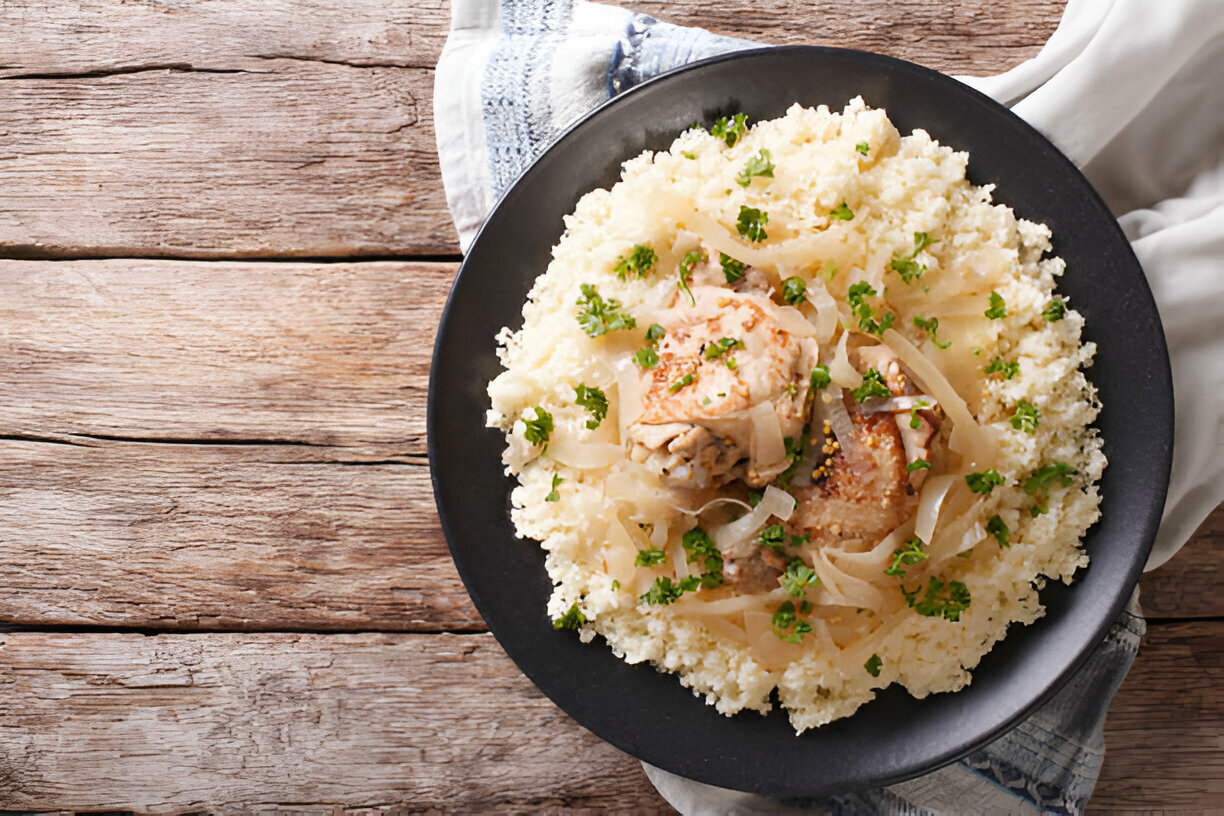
(1131, 90)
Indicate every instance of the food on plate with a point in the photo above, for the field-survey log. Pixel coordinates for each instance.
(796, 407)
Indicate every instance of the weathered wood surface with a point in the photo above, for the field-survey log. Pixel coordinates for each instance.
(304, 128)
(227, 721)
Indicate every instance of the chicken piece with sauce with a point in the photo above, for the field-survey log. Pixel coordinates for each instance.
(730, 385)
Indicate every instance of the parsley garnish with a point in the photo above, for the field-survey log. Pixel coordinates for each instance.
(655, 333)
(536, 431)
(688, 154)
(873, 665)
(554, 495)
(687, 379)
(773, 536)
(917, 464)
(862, 147)
(855, 295)
(905, 265)
(997, 528)
(639, 261)
(594, 400)
(784, 618)
(1055, 310)
(572, 619)
(665, 591)
(650, 558)
(985, 481)
(939, 601)
(732, 269)
(998, 309)
(842, 213)
(685, 270)
(699, 545)
(754, 497)
(1026, 417)
(820, 377)
(931, 326)
(1043, 479)
(730, 130)
(999, 366)
(873, 386)
(911, 555)
(597, 316)
(797, 577)
(721, 346)
(647, 357)
(920, 404)
(794, 452)
(794, 290)
(758, 165)
(751, 223)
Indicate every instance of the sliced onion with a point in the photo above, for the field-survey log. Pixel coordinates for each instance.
(824, 314)
(901, 404)
(619, 552)
(774, 502)
(770, 651)
(578, 453)
(846, 589)
(768, 447)
(870, 565)
(792, 321)
(834, 411)
(840, 370)
(628, 394)
(711, 503)
(934, 491)
(689, 605)
(968, 438)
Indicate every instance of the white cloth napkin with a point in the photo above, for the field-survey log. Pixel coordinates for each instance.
(1131, 90)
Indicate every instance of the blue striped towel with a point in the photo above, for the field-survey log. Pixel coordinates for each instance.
(515, 74)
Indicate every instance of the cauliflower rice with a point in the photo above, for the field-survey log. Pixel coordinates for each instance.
(796, 407)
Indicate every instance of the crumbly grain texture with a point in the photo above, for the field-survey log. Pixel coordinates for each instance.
(593, 508)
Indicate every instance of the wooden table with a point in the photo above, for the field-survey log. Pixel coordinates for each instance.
(225, 249)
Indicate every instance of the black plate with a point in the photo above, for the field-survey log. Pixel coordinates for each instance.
(649, 714)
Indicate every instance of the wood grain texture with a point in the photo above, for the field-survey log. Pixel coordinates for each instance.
(228, 723)
(205, 130)
(213, 537)
(177, 722)
(321, 354)
(1189, 585)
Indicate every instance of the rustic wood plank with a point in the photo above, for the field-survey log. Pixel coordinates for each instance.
(104, 721)
(228, 723)
(295, 128)
(221, 537)
(1164, 735)
(319, 354)
(1188, 586)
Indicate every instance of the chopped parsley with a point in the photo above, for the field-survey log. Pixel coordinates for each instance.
(655, 333)
(917, 464)
(594, 400)
(855, 295)
(785, 618)
(665, 590)
(998, 528)
(920, 404)
(597, 316)
(536, 431)
(688, 154)
(732, 269)
(720, 347)
(757, 165)
(754, 497)
(939, 600)
(650, 558)
(1043, 479)
(905, 265)
(572, 619)
(930, 326)
(697, 544)
(985, 481)
(797, 577)
(647, 357)
(1055, 310)
(873, 386)
(1026, 417)
(730, 129)
(998, 309)
(873, 665)
(907, 557)
(685, 270)
(554, 495)
(640, 260)
(794, 453)
(820, 377)
(794, 290)
(687, 379)
(842, 213)
(863, 148)
(773, 536)
(1000, 366)
(751, 223)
